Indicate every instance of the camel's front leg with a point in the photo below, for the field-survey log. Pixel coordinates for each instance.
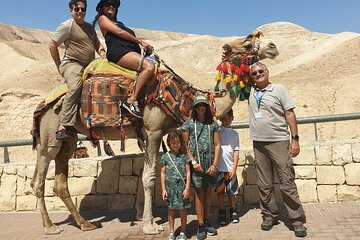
(61, 188)
(44, 157)
(149, 176)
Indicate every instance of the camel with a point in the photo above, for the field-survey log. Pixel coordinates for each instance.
(156, 125)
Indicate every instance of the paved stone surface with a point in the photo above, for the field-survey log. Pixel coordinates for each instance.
(324, 221)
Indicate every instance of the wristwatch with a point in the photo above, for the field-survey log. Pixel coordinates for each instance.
(295, 137)
(193, 162)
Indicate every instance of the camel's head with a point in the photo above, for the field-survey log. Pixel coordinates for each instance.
(267, 50)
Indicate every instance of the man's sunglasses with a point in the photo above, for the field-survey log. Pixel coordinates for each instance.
(77, 9)
(261, 71)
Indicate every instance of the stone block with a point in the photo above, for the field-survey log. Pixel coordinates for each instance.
(51, 171)
(28, 189)
(128, 184)
(240, 173)
(29, 171)
(26, 203)
(85, 168)
(92, 202)
(49, 188)
(323, 155)
(348, 193)
(341, 154)
(59, 204)
(251, 194)
(307, 190)
(121, 201)
(250, 174)
(355, 150)
(49, 202)
(21, 170)
(242, 158)
(126, 166)
(8, 192)
(81, 186)
(352, 173)
(306, 156)
(327, 193)
(249, 157)
(330, 175)
(305, 172)
(138, 166)
(20, 186)
(10, 169)
(108, 177)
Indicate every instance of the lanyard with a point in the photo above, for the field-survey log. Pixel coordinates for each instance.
(258, 99)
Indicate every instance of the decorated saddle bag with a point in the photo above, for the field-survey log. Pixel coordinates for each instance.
(105, 87)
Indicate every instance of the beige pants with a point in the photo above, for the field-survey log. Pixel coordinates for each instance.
(72, 73)
(275, 155)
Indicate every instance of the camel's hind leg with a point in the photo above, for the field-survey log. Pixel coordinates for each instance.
(149, 176)
(38, 184)
(61, 184)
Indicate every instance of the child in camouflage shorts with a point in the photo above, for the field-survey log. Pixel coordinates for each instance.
(175, 181)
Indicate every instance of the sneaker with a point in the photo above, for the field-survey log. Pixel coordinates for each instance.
(222, 217)
(209, 229)
(182, 236)
(300, 230)
(234, 215)
(133, 108)
(201, 232)
(171, 236)
(267, 224)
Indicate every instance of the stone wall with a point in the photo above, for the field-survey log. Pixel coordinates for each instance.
(325, 172)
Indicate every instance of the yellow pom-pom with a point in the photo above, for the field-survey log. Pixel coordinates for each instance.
(217, 77)
(236, 78)
(228, 79)
(242, 85)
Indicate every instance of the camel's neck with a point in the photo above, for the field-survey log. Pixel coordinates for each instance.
(224, 104)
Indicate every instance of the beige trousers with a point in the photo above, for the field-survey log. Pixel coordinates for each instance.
(275, 155)
(72, 73)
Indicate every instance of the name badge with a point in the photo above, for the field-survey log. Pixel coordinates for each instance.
(258, 115)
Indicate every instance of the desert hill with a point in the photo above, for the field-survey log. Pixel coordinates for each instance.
(320, 70)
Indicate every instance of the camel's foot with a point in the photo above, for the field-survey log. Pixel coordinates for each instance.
(87, 226)
(53, 229)
(152, 228)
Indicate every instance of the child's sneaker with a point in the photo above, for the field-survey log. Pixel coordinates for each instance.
(171, 236)
(222, 217)
(201, 232)
(182, 236)
(209, 228)
(234, 215)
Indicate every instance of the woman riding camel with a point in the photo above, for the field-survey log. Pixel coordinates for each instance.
(123, 49)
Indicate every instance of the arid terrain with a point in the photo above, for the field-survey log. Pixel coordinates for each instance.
(320, 70)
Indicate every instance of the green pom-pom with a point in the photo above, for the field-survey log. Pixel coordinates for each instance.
(232, 93)
(242, 96)
(238, 88)
(217, 89)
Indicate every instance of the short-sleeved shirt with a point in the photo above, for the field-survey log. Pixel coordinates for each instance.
(204, 152)
(274, 101)
(174, 183)
(79, 41)
(229, 142)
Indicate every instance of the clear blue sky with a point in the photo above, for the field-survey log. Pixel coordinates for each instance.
(212, 17)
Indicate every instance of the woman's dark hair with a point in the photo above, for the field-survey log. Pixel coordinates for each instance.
(73, 2)
(173, 134)
(209, 118)
(100, 12)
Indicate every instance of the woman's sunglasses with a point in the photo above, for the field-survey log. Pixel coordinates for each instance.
(77, 9)
(110, 4)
